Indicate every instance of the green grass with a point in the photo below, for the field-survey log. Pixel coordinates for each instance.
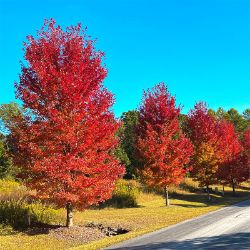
(150, 215)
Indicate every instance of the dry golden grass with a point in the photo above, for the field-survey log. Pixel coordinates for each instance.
(150, 215)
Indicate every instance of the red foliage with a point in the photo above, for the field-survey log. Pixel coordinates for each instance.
(163, 149)
(246, 142)
(233, 168)
(246, 152)
(66, 144)
(230, 144)
(203, 132)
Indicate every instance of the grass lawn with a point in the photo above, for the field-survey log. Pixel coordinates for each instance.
(150, 215)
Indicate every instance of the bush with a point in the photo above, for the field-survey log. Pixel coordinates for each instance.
(20, 214)
(19, 211)
(125, 194)
(11, 190)
(190, 185)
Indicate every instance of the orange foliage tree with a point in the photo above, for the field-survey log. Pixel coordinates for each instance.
(233, 168)
(202, 129)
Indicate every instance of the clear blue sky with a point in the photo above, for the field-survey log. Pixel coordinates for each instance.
(201, 49)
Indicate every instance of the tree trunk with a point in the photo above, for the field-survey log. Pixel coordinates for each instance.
(29, 218)
(208, 193)
(223, 190)
(69, 220)
(233, 185)
(166, 196)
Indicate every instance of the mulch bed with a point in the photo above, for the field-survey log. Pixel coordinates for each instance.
(75, 234)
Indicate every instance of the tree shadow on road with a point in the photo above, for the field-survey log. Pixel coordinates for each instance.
(239, 241)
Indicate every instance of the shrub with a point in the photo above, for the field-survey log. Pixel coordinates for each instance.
(18, 210)
(12, 190)
(125, 194)
(190, 185)
(20, 214)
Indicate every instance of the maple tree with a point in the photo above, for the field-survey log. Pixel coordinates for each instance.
(202, 129)
(163, 150)
(246, 153)
(246, 142)
(233, 168)
(65, 142)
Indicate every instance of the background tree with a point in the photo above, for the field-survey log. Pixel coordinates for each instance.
(221, 114)
(240, 121)
(246, 116)
(237, 119)
(8, 114)
(8, 117)
(6, 166)
(65, 144)
(203, 132)
(163, 150)
(183, 121)
(127, 135)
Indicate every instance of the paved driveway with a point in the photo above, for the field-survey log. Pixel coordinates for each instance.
(227, 228)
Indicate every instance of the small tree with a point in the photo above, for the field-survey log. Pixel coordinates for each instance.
(65, 143)
(232, 169)
(246, 153)
(202, 129)
(163, 150)
(246, 143)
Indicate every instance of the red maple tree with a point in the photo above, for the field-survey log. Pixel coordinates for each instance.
(246, 152)
(246, 143)
(65, 142)
(163, 150)
(233, 168)
(202, 129)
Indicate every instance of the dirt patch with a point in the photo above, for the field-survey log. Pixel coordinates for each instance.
(75, 234)
(78, 234)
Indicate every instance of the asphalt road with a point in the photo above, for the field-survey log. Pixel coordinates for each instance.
(227, 228)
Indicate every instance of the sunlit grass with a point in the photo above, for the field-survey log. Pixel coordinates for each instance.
(150, 215)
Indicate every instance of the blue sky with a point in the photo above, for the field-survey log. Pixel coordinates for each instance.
(201, 49)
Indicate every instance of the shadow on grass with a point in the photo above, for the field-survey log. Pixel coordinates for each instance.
(101, 207)
(40, 228)
(227, 241)
(187, 205)
(244, 188)
(229, 198)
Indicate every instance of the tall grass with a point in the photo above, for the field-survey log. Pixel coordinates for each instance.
(125, 194)
(20, 211)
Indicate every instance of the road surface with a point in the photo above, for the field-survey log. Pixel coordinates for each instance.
(227, 228)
